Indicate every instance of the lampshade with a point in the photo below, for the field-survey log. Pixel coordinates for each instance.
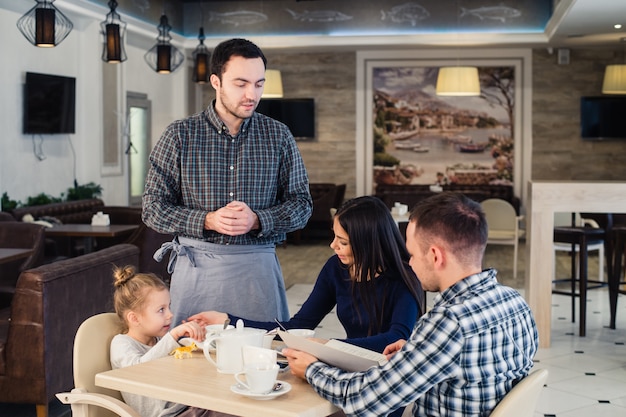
(201, 60)
(113, 31)
(614, 79)
(273, 87)
(458, 81)
(163, 57)
(44, 25)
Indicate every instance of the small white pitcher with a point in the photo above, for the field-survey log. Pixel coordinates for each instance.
(228, 347)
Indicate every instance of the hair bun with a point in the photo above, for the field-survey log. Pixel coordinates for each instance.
(122, 275)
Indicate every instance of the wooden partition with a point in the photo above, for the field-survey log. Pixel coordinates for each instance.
(545, 199)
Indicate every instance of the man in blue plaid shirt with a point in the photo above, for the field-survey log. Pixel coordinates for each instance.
(229, 183)
(466, 353)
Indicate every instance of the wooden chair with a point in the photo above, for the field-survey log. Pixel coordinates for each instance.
(91, 356)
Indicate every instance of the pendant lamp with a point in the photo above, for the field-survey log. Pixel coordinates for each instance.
(44, 25)
(614, 79)
(201, 60)
(458, 81)
(114, 32)
(615, 75)
(273, 86)
(164, 57)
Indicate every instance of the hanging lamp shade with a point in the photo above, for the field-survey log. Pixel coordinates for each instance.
(164, 57)
(44, 25)
(273, 87)
(114, 32)
(458, 81)
(201, 60)
(614, 79)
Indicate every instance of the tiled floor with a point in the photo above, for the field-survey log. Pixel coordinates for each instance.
(587, 374)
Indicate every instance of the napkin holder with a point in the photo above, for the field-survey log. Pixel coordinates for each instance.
(100, 219)
(399, 209)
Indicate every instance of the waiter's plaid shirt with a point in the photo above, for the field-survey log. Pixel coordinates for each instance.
(197, 167)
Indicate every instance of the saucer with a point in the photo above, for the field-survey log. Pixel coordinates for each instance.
(239, 389)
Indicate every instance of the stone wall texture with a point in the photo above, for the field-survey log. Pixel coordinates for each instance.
(558, 152)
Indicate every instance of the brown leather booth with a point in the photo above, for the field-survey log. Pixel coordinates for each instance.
(37, 331)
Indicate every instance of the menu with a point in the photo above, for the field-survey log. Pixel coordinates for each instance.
(335, 352)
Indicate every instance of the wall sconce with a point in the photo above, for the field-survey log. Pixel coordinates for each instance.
(458, 81)
(44, 25)
(114, 32)
(273, 86)
(164, 57)
(201, 61)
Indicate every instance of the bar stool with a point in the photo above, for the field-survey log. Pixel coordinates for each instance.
(618, 236)
(580, 236)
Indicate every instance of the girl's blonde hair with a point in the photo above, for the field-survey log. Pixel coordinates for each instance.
(131, 291)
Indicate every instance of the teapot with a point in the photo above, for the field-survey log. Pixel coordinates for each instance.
(228, 347)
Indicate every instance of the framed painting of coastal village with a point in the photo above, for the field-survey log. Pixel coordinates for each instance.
(413, 136)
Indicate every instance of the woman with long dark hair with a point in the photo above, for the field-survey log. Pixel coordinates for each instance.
(369, 280)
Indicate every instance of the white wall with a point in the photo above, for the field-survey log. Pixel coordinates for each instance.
(22, 174)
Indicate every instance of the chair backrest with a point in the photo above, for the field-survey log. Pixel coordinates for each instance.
(92, 355)
(500, 214)
(564, 219)
(521, 401)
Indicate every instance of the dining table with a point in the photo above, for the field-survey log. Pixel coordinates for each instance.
(195, 381)
(88, 232)
(14, 254)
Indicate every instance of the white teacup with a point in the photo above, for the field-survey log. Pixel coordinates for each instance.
(302, 332)
(259, 377)
(258, 355)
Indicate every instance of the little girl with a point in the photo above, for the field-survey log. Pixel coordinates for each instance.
(142, 301)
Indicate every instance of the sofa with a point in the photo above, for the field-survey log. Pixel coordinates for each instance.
(414, 193)
(78, 211)
(37, 331)
(325, 196)
(23, 236)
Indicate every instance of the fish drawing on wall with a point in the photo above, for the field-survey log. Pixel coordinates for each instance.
(243, 17)
(407, 12)
(500, 13)
(142, 5)
(319, 16)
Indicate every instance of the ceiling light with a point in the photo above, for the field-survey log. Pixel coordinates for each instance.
(164, 57)
(201, 60)
(273, 86)
(114, 31)
(617, 26)
(458, 81)
(44, 25)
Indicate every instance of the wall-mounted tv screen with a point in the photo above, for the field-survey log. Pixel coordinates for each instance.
(49, 104)
(297, 113)
(603, 117)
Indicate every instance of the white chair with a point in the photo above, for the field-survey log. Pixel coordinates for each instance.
(565, 220)
(521, 401)
(503, 223)
(91, 356)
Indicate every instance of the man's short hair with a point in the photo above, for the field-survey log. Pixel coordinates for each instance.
(233, 47)
(454, 219)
